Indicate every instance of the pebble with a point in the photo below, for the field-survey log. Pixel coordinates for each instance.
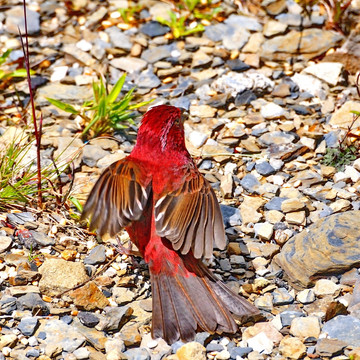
(96, 256)
(261, 343)
(304, 327)
(345, 328)
(273, 120)
(325, 287)
(292, 347)
(5, 243)
(191, 351)
(60, 275)
(306, 296)
(327, 71)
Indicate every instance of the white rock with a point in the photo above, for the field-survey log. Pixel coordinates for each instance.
(198, 138)
(325, 287)
(59, 73)
(327, 71)
(310, 143)
(352, 173)
(261, 343)
(84, 45)
(309, 84)
(81, 353)
(272, 111)
(341, 176)
(264, 230)
(356, 164)
(306, 296)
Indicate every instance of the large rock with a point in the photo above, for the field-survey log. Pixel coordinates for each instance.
(329, 246)
(60, 275)
(308, 43)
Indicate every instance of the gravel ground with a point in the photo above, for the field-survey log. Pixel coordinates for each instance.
(269, 93)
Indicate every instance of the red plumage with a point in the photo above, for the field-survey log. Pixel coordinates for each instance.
(171, 214)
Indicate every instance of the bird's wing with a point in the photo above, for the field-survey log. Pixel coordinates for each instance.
(190, 216)
(118, 197)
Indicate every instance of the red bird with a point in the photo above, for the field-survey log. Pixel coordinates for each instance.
(172, 215)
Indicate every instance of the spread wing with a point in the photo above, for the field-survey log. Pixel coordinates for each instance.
(118, 197)
(190, 217)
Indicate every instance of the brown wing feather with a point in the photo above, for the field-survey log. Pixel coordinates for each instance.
(118, 198)
(190, 217)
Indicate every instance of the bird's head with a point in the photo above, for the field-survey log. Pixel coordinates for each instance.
(162, 126)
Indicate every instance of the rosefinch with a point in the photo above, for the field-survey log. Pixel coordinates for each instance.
(172, 215)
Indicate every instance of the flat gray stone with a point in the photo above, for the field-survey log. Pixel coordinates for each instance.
(345, 328)
(329, 246)
(15, 18)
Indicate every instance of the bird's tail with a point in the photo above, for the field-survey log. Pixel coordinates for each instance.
(193, 298)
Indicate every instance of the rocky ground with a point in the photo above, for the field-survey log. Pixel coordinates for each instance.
(269, 92)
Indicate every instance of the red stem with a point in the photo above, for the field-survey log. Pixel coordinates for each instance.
(36, 130)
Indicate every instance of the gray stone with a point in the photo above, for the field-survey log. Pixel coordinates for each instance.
(147, 80)
(225, 264)
(114, 318)
(243, 22)
(275, 203)
(28, 325)
(137, 354)
(345, 328)
(338, 238)
(309, 43)
(250, 183)
(42, 239)
(119, 39)
(96, 256)
(158, 53)
(7, 304)
(288, 316)
(154, 28)
(63, 335)
(92, 153)
(15, 19)
(231, 215)
(264, 168)
(282, 297)
(88, 319)
(129, 64)
(33, 302)
(62, 92)
(276, 137)
(240, 351)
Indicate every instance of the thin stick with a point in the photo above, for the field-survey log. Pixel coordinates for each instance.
(25, 48)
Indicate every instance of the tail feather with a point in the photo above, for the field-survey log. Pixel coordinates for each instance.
(183, 303)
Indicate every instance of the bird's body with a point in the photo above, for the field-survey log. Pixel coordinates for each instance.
(171, 214)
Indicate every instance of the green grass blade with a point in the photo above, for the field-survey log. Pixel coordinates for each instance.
(63, 106)
(116, 90)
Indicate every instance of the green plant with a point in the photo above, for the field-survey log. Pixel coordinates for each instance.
(103, 112)
(8, 74)
(346, 152)
(127, 14)
(78, 207)
(18, 175)
(178, 26)
(339, 157)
